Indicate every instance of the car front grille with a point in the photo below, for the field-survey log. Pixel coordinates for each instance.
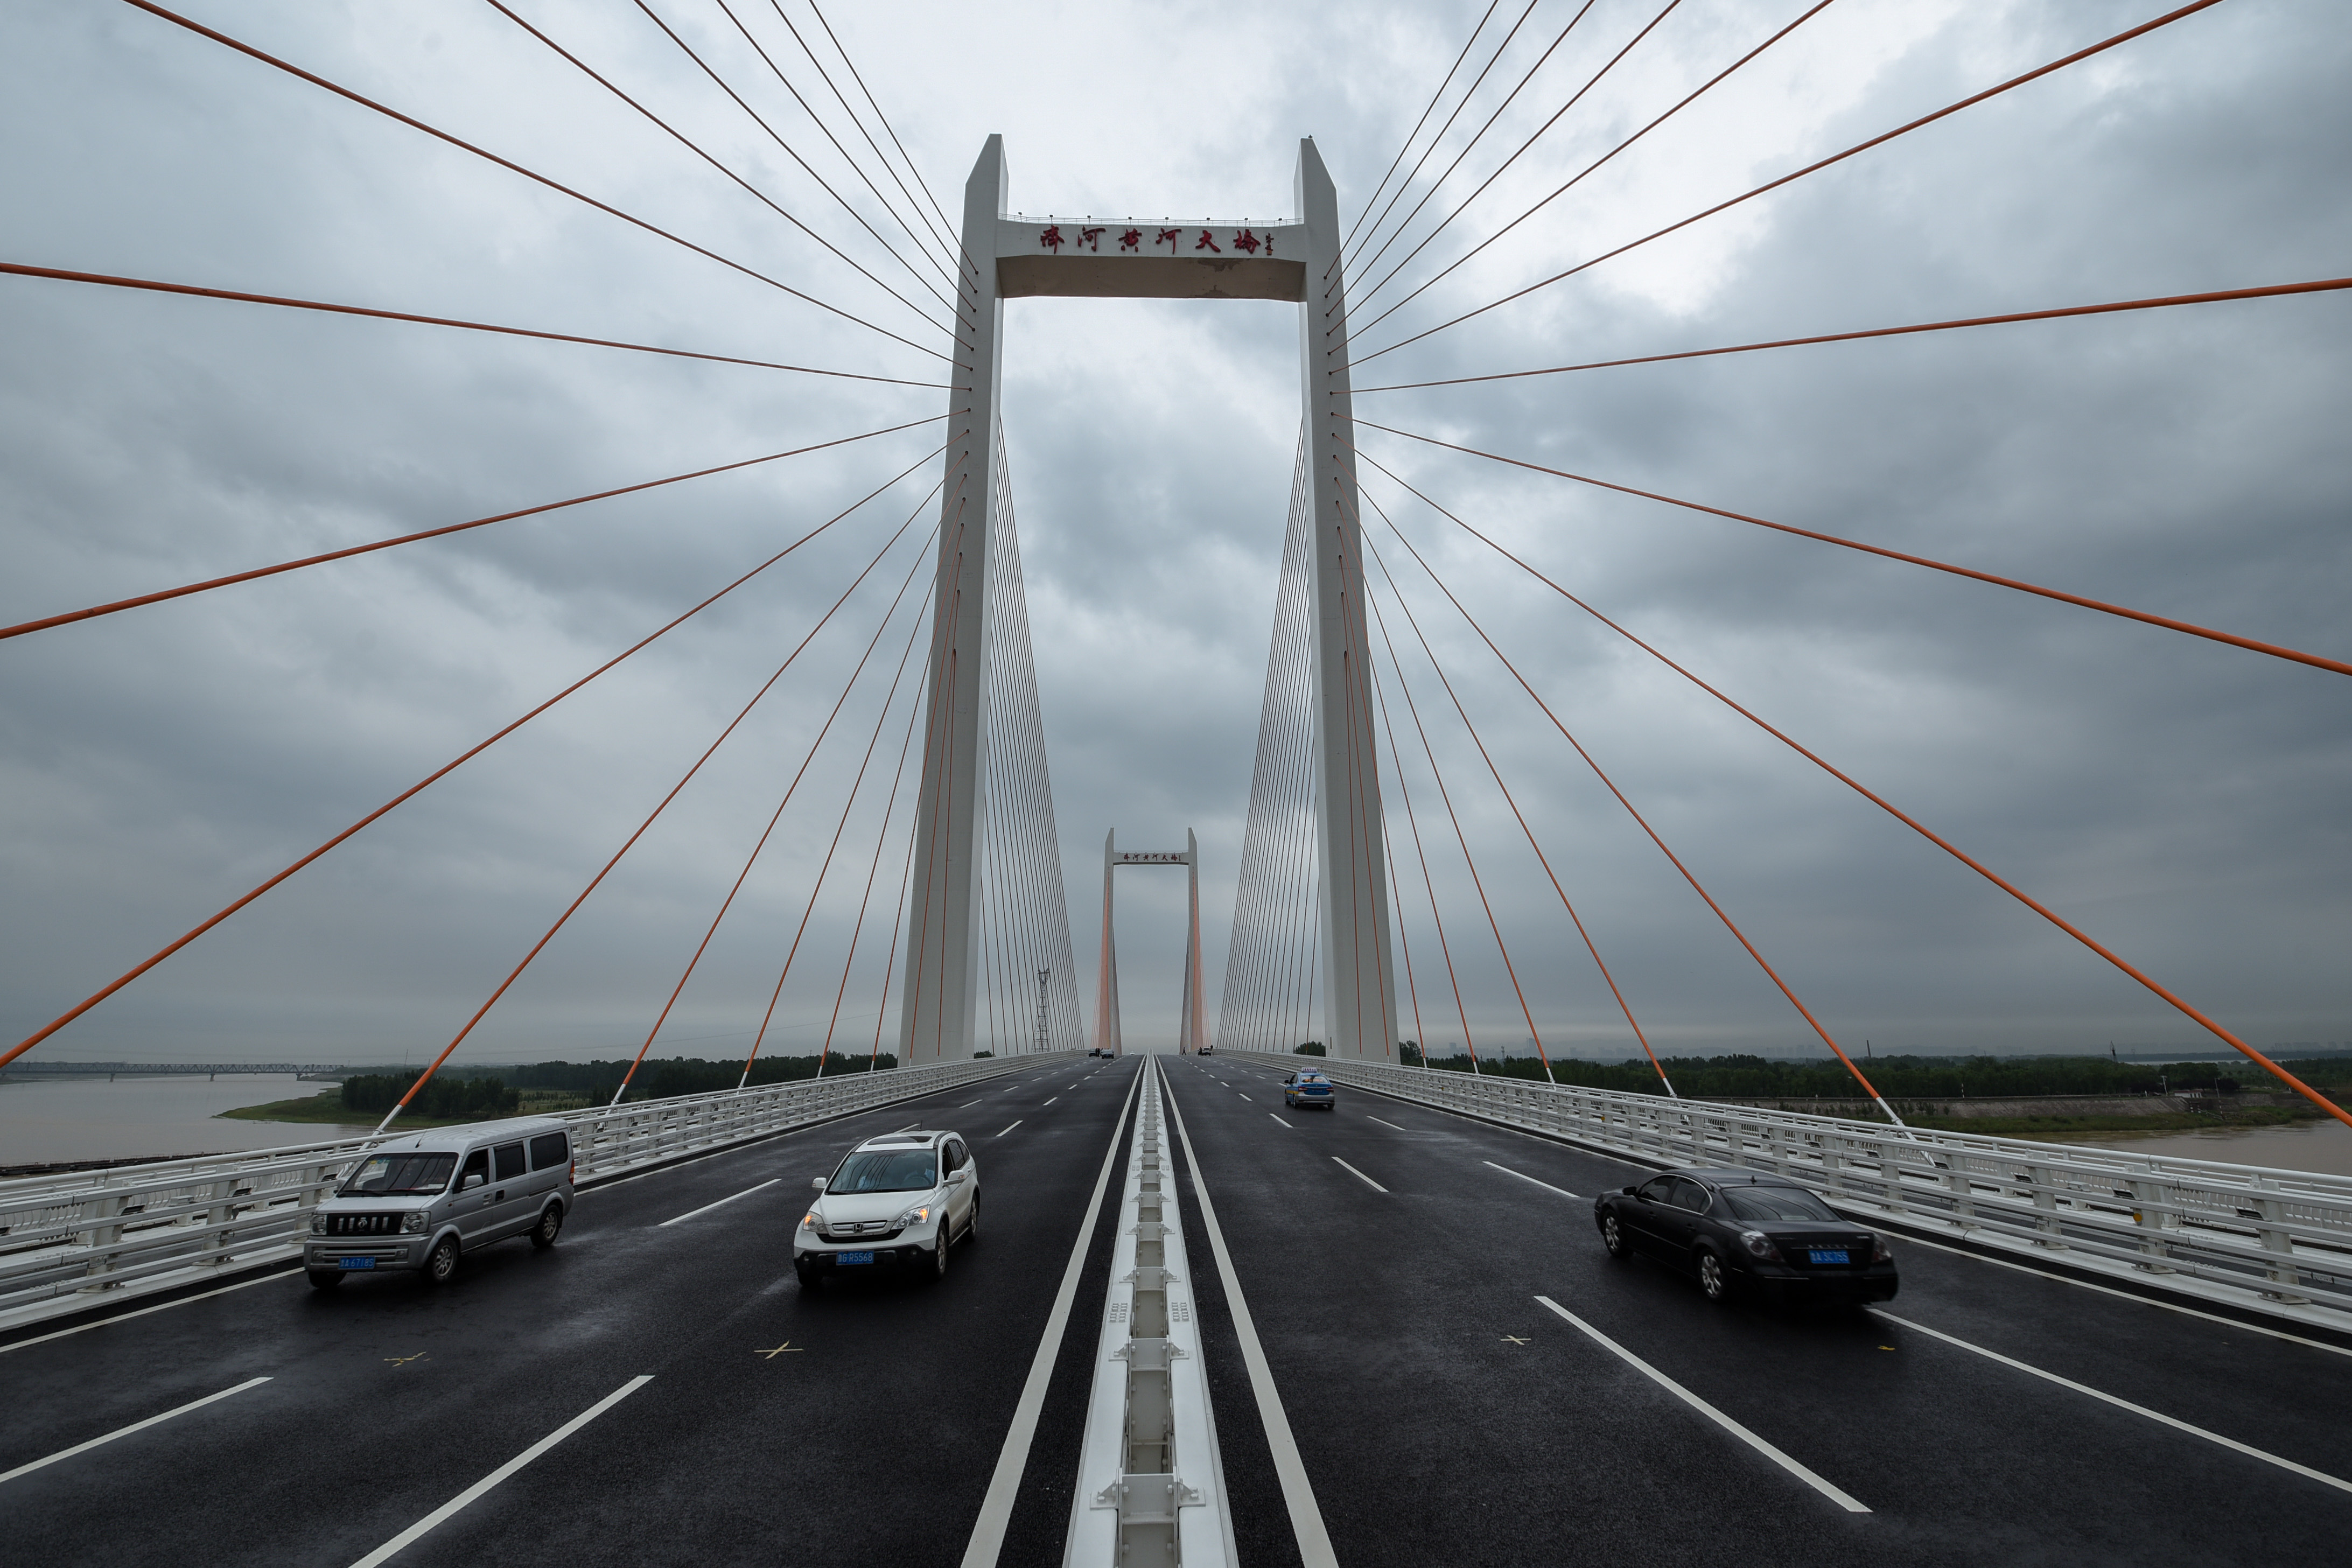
(362, 1224)
(860, 1230)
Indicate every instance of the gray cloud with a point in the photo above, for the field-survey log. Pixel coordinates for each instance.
(2181, 800)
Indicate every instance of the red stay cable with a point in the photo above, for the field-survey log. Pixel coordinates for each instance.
(2168, 623)
(817, 886)
(22, 628)
(630, 843)
(1565, 903)
(1978, 866)
(881, 836)
(1446, 795)
(95, 997)
(1643, 823)
(2318, 286)
(153, 285)
(775, 816)
(343, 92)
(2039, 71)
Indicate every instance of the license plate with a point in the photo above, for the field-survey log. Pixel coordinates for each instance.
(845, 1258)
(1829, 1257)
(355, 1263)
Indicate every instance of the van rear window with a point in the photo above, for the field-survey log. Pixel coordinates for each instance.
(550, 1149)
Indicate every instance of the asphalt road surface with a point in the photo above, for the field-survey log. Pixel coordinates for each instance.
(679, 1400)
(1447, 1415)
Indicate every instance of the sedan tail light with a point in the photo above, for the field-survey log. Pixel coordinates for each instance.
(1879, 1251)
(1759, 1246)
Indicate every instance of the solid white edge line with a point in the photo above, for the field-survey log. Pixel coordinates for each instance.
(1305, 1518)
(441, 1515)
(159, 1307)
(126, 1431)
(1004, 1484)
(1389, 1125)
(1017, 1123)
(2157, 1416)
(1357, 1174)
(1546, 1187)
(722, 1203)
(1842, 1498)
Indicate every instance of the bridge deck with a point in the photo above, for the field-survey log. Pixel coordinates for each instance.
(1442, 1413)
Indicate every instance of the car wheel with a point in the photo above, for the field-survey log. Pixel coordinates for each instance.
(324, 1278)
(1612, 1236)
(441, 1263)
(550, 1226)
(972, 1220)
(940, 1256)
(810, 1276)
(1712, 1280)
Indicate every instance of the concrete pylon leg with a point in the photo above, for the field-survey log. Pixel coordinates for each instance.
(1358, 980)
(936, 1017)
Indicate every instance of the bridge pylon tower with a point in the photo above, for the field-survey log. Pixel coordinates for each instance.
(1192, 1031)
(1008, 258)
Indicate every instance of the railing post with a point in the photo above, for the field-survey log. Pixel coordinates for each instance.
(2277, 1242)
(2045, 1201)
(102, 1233)
(2152, 1212)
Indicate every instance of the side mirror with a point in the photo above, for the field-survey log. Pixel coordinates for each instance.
(959, 1176)
(819, 1185)
(1629, 1191)
(471, 1182)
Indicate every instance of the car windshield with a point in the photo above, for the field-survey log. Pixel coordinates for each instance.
(386, 1176)
(1776, 1203)
(1310, 1078)
(886, 1171)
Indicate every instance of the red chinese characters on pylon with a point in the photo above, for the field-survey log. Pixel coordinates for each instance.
(1052, 238)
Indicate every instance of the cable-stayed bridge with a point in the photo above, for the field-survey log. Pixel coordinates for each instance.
(1196, 1312)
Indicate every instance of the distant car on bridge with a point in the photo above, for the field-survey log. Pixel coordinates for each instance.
(1748, 1229)
(414, 1204)
(1309, 1089)
(899, 1200)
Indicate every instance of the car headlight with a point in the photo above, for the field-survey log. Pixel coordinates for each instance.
(1879, 1251)
(414, 1222)
(1759, 1245)
(919, 1215)
(810, 1222)
(317, 1222)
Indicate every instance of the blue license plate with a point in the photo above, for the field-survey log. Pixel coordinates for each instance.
(355, 1263)
(1829, 1257)
(847, 1259)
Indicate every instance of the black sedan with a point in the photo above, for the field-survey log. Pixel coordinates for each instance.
(1746, 1229)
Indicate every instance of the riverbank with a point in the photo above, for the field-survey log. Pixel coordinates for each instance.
(327, 1108)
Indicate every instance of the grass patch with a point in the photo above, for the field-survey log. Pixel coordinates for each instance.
(327, 1108)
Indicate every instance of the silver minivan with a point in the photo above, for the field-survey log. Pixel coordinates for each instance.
(416, 1202)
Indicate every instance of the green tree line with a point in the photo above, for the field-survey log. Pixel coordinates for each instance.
(656, 1078)
(474, 1099)
(1899, 1076)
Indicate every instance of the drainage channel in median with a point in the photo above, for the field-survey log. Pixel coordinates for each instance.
(1150, 1490)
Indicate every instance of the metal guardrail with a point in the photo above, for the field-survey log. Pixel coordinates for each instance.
(90, 1237)
(2277, 1241)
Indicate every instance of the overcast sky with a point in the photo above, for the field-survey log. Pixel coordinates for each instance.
(2183, 801)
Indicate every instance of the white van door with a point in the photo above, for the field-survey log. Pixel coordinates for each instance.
(513, 1207)
(473, 1206)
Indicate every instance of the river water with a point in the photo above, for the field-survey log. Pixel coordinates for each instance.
(93, 1119)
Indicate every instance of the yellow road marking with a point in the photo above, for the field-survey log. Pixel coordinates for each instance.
(787, 1347)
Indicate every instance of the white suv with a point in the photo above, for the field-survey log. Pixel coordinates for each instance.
(899, 1200)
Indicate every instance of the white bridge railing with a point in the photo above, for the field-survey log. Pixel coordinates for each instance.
(90, 1237)
(2277, 1240)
